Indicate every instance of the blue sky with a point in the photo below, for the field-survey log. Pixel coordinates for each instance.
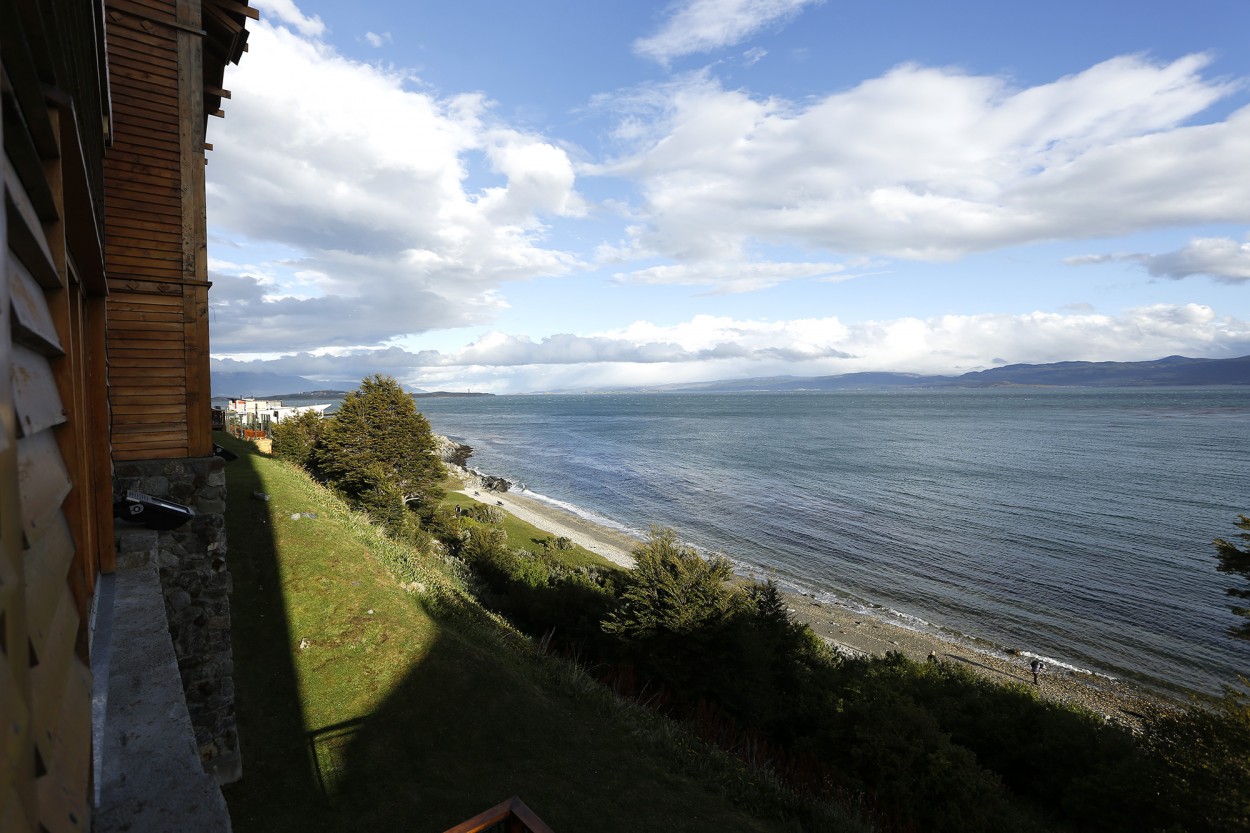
(554, 195)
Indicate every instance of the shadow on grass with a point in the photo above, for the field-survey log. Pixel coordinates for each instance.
(464, 731)
(325, 747)
(278, 781)
(460, 723)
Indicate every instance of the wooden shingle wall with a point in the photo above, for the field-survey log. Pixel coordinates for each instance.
(156, 248)
(55, 474)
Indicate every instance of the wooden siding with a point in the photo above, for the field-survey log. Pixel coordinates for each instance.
(54, 526)
(155, 244)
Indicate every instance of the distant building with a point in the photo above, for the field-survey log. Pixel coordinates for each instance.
(271, 409)
(255, 418)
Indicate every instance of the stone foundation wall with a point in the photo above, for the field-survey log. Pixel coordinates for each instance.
(191, 563)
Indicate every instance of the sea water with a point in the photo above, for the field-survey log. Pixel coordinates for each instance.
(1073, 524)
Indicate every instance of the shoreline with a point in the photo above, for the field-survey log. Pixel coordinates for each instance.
(857, 633)
(611, 544)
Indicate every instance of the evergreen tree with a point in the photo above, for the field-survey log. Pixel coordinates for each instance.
(1236, 559)
(673, 591)
(379, 444)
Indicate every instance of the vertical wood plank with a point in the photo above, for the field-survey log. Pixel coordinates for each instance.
(100, 428)
(80, 504)
(199, 416)
(194, 230)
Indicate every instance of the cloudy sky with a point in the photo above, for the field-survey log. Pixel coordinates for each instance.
(562, 194)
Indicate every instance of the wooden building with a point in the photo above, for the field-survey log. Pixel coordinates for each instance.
(166, 60)
(103, 306)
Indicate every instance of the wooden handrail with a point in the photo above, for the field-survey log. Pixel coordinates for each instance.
(516, 817)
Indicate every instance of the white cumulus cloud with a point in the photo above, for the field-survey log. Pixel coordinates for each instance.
(931, 163)
(285, 11)
(370, 179)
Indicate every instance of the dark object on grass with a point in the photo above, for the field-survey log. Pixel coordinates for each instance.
(224, 453)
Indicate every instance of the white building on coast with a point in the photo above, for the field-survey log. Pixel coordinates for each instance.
(266, 411)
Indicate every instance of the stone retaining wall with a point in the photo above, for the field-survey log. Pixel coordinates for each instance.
(191, 563)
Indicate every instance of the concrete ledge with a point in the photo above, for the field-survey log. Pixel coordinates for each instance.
(152, 776)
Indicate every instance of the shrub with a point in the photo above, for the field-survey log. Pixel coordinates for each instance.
(295, 438)
(672, 591)
(485, 514)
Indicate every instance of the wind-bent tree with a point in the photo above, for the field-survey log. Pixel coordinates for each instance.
(1236, 559)
(379, 448)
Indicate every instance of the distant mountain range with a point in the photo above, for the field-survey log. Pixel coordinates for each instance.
(277, 385)
(1171, 371)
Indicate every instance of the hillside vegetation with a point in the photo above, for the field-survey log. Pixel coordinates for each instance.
(879, 741)
(374, 694)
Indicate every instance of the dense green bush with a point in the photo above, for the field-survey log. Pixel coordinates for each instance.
(539, 594)
(929, 746)
(378, 435)
(378, 451)
(295, 438)
(673, 592)
(484, 514)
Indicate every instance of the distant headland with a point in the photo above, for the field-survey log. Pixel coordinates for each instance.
(1173, 371)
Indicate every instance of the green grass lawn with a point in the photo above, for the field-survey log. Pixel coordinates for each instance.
(365, 705)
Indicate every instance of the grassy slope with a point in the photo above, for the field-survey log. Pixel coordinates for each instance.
(397, 716)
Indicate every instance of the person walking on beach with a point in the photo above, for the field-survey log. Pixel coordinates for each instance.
(1037, 665)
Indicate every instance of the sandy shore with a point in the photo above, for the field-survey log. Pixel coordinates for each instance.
(611, 544)
(855, 632)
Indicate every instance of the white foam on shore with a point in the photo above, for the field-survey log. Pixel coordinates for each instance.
(1061, 664)
(584, 514)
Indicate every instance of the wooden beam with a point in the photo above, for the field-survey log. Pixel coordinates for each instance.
(238, 8)
(83, 226)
